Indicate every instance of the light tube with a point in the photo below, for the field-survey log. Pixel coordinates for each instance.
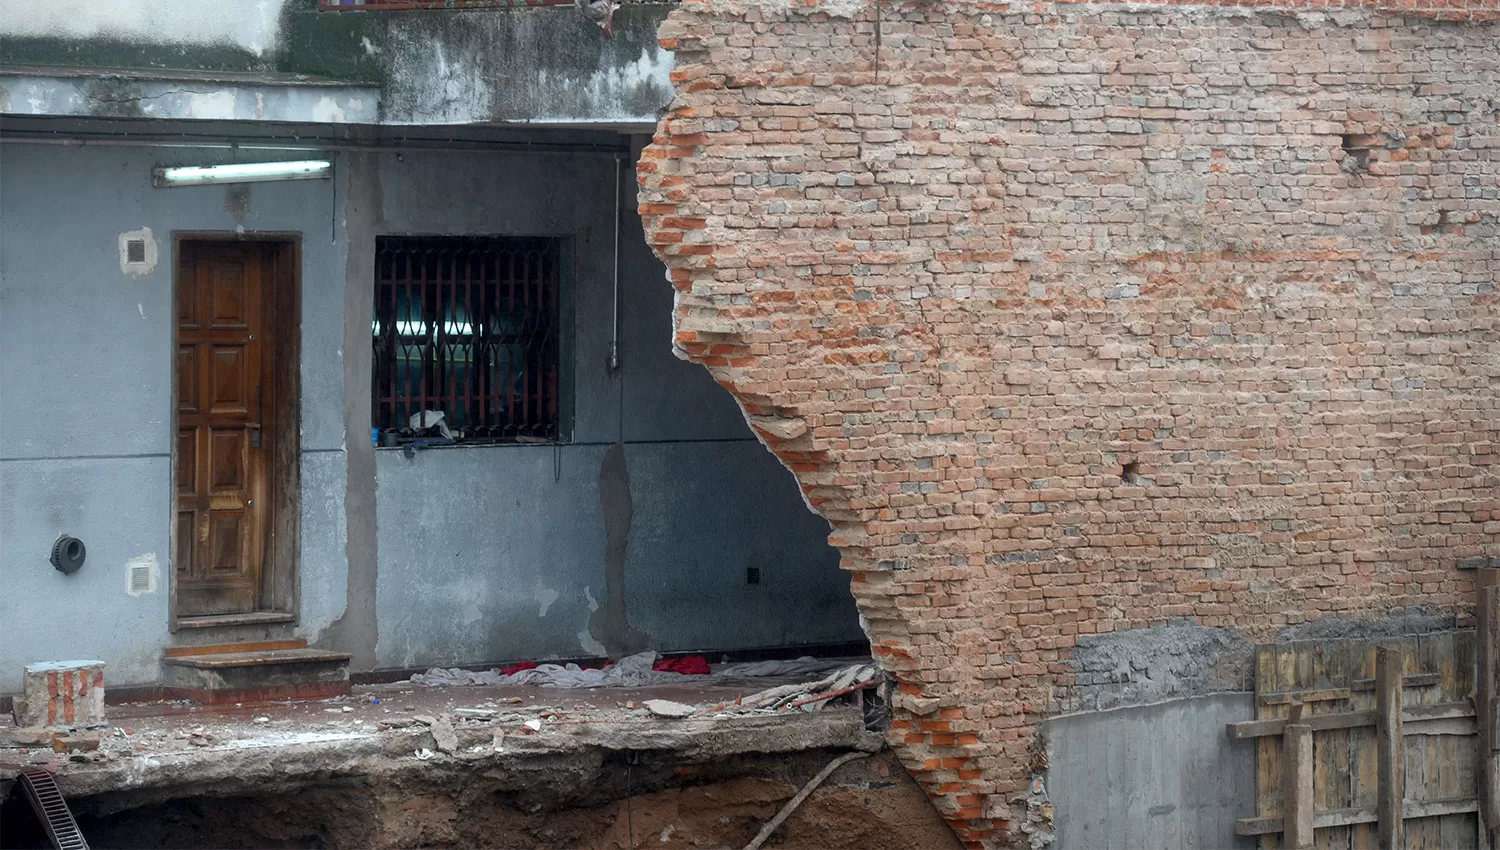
(242, 172)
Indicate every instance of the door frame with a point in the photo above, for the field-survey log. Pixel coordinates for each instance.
(280, 591)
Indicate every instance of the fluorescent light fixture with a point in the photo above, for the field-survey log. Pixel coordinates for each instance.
(242, 172)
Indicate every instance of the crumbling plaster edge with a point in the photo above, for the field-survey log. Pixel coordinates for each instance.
(974, 826)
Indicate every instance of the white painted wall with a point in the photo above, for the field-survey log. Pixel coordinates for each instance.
(251, 25)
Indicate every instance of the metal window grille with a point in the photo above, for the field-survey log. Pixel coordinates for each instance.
(468, 326)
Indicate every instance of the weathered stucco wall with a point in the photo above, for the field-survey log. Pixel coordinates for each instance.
(1082, 318)
(463, 555)
(424, 67)
(252, 26)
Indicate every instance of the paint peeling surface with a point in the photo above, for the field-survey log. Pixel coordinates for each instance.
(586, 640)
(540, 67)
(545, 596)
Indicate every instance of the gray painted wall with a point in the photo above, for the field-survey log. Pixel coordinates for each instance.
(85, 397)
(1163, 775)
(472, 542)
(511, 539)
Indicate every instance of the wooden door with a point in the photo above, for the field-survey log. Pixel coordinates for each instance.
(224, 375)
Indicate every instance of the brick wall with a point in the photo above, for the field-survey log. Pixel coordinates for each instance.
(1076, 318)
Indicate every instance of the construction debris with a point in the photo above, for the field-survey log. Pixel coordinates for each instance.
(77, 742)
(639, 670)
(668, 708)
(601, 12)
(811, 696)
(447, 725)
(61, 693)
(443, 736)
(33, 736)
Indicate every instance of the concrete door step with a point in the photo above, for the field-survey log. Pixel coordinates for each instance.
(256, 675)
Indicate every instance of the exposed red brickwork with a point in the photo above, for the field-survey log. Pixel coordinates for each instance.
(1443, 10)
(1088, 318)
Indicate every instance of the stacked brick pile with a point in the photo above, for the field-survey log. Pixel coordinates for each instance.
(1076, 318)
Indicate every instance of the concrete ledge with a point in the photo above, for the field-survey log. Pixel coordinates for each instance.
(558, 761)
(174, 95)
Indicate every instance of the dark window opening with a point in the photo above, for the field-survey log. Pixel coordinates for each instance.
(467, 327)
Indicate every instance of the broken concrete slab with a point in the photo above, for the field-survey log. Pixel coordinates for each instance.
(444, 736)
(156, 762)
(32, 736)
(669, 708)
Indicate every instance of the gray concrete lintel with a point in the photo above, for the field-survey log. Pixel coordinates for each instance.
(183, 96)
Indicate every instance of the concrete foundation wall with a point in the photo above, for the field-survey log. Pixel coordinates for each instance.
(456, 573)
(1162, 775)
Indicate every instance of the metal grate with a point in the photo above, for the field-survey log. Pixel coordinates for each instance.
(52, 810)
(467, 326)
(398, 5)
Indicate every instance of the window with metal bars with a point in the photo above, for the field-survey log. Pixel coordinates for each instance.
(467, 326)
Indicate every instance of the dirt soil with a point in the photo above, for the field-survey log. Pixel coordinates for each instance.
(870, 804)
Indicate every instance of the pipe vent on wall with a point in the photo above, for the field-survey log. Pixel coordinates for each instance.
(67, 554)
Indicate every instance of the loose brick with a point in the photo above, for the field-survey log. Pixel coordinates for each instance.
(61, 693)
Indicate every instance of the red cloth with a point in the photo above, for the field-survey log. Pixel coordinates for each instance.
(514, 669)
(693, 665)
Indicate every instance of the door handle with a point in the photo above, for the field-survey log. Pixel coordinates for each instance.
(254, 429)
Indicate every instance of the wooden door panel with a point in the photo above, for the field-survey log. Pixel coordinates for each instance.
(187, 542)
(227, 461)
(226, 533)
(187, 462)
(229, 290)
(187, 305)
(187, 378)
(230, 378)
(223, 382)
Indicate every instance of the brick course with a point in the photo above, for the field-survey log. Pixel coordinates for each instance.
(1075, 318)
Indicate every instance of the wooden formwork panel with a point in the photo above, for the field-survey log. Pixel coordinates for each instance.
(1330, 691)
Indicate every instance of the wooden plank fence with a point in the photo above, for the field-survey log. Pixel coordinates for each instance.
(1390, 743)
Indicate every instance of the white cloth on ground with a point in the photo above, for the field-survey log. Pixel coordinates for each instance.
(632, 670)
(796, 667)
